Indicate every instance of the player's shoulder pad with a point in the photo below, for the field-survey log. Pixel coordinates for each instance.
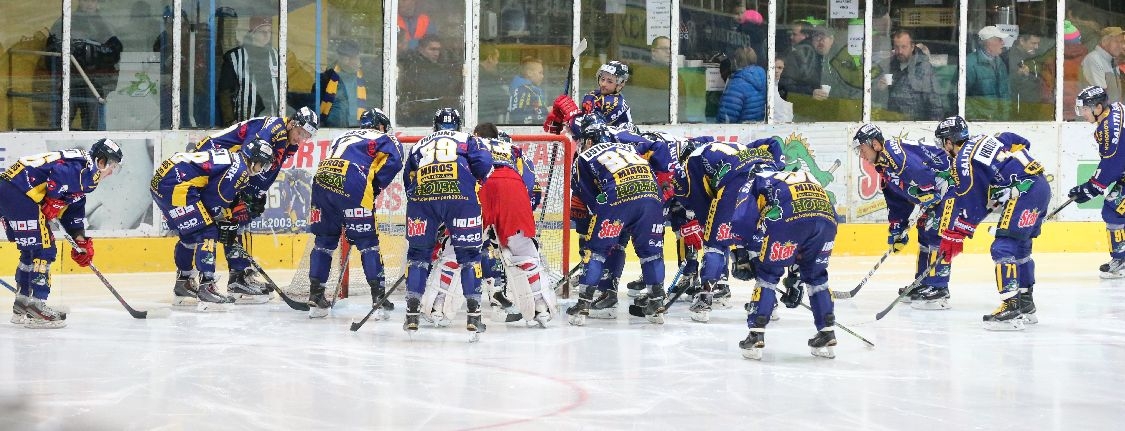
(1011, 139)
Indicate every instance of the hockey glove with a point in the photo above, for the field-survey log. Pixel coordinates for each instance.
(228, 233)
(239, 213)
(52, 207)
(1082, 192)
(794, 289)
(564, 109)
(898, 237)
(952, 243)
(255, 204)
(83, 259)
(553, 125)
(692, 234)
(745, 265)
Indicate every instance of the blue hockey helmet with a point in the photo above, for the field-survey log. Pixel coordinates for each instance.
(373, 118)
(447, 119)
(106, 149)
(307, 120)
(1090, 97)
(953, 128)
(258, 152)
(865, 134)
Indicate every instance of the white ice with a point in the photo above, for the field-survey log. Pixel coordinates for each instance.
(268, 367)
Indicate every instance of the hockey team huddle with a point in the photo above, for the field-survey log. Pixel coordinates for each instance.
(734, 207)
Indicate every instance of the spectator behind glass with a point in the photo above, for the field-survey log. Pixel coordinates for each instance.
(744, 99)
(248, 82)
(343, 91)
(423, 83)
(661, 50)
(908, 79)
(494, 97)
(413, 25)
(163, 45)
(1025, 72)
(782, 108)
(526, 105)
(802, 64)
(842, 71)
(986, 78)
(98, 51)
(750, 23)
(1099, 67)
(1073, 53)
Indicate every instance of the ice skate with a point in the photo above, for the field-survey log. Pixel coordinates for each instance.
(542, 313)
(245, 291)
(413, 309)
(503, 309)
(1006, 317)
(472, 320)
(909, 297)
(930, 298)
(753, 344)
(19, 309)
(821, 344)
(635, 288)
(579, 311)
(721, 295)
(382, 308)
(605, 306)
(1112, 270)
(210, 299)
(701, 307)
(1027, 307)
(41, 316)
(654, 304)
(186, 290)
(318, 304)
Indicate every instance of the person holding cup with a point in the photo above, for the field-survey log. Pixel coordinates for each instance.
(908, 79)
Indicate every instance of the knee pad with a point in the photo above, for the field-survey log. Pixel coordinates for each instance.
(522, 247)
(1005, 249)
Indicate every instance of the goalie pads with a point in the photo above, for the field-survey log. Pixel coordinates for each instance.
(525, 284)
(443, 297)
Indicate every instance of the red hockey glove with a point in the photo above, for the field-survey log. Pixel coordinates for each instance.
(52, 207)
(564, 108)
(692, 234)
(553, 125)
(952, 244)
(239, 213)
(664, 180)
(83, 259)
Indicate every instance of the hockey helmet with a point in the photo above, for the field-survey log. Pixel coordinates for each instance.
(307, 120)
(106, 149)
(373, 118)
(1089, 97)
(258, 152)
(593, 128)
(865, 134)
(615, 68)
(504, 136)
(447, 119)
(953, 128)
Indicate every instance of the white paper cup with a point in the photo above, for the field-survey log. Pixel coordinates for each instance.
(888, 79)
(826, 88)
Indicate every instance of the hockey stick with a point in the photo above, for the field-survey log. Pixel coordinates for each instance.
(636, 310)
(565, 281)
(8, 286)
(296, 305)
(578, 50)
(906, 291)
(137, 314)
(992, 229)
(378, 304)
(851, 293)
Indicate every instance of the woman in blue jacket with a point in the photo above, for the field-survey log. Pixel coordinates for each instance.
(744, 100)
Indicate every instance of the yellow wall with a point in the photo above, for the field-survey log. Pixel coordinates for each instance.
(155, 254)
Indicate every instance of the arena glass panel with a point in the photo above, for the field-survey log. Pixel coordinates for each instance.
(1011, 46)
(525, 49)
(1093, 50)
(914, 60)
(822, 52)
(32, 82)
(335, 60)
(431, 57)
(624, 31)
(722, 62)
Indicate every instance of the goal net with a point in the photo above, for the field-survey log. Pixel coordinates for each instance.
(551, 155)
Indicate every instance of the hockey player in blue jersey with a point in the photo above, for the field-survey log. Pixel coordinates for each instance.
(194, 192)
(35, 190)
(606, 101)
(707, 182)
(284, 136)
(1093, 105)
(782, 218)
(620, 190)
(442, 173)
(914, 175)
(996, 172)
(362, 163)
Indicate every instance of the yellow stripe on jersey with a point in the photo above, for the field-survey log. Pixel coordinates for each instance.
(180, 192)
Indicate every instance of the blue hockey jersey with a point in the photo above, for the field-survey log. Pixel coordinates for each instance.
(269, 129)
(361, 164)
(769, 197)
(611, 107)
(982, 164)
(913, 174)
(446, 165)
(1107, 134)
(714, 165)
(65, 175)
(216, 176)
(611, 173)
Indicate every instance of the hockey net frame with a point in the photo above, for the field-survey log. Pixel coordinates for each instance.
(553, 156)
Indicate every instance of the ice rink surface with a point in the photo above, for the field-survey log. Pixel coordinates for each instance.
(268, 367)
